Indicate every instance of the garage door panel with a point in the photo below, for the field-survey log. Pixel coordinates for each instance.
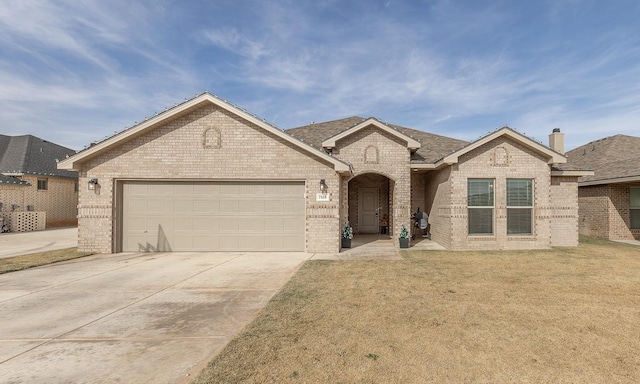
(159, 206)
(229, 243)
(250, 189)
(183, 189)
(208, 207)
(293, 206)
(135, 242)
(229, 189)
(276, 224)
(183, 206)
(273, 206)
(229, 224)
(252, 207)
(229, 206)
(136, 205)
(256, 224)
(164, 191)
(206, 216)
(160, 224)
(185, 223)
(292, 224)
(274, 242)
(137, 224)
(254, 243)
(206, 224)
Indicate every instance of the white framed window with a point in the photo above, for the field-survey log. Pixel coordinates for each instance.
(43, 184)
(634, 207)
(519, 207)
(480, 205)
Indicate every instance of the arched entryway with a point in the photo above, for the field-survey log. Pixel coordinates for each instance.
(370, 204)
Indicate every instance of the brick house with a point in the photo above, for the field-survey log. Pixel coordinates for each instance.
(207, 175)
(609, 200)
(34, 193)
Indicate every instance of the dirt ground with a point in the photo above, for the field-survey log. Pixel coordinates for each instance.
(567, 315)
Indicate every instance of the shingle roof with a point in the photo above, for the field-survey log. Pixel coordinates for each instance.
(433, 147)
(31, 155)
(611, 158)
(12, 180)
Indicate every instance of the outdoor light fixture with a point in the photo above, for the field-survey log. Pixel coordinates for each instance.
(92, 184)
(323, 185)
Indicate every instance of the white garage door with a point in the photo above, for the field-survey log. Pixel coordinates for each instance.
(213, 216)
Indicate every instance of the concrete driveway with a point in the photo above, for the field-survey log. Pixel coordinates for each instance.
(131, 318)
(22, 243)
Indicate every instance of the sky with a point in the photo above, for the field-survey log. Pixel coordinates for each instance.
(78, 71)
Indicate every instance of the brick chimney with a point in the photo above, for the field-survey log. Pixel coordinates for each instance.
(556, 140)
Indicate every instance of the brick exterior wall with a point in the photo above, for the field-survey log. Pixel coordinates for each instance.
(185, 149)
(438, 205)
(563, 212)
(59, 201)
(604, 211)
(500, 160)
(392, 162)
(210, 143)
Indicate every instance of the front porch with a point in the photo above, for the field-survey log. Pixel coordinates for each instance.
(379, 247)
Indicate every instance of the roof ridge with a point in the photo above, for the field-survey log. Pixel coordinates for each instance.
(325, 122)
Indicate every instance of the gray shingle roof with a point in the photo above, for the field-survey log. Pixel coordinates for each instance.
(31, 155)
(610, 158)
(12, 180)
(433, 147)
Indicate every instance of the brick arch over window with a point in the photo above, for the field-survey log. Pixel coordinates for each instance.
(371, 155)
(212, 138)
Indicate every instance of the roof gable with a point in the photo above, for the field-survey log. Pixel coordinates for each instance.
(411, 143)
(182, 109)
(552, 156)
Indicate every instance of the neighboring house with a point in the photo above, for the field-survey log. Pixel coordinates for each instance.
(34, 193)
(610, 199)
(207, 175)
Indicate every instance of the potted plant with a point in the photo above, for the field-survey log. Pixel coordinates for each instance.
(404, 237)
(347, 235)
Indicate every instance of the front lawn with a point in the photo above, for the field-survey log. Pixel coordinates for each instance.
(567, 315)
(17, 263)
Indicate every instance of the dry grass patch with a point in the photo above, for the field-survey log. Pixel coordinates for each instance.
(17, 263)
(562, 315)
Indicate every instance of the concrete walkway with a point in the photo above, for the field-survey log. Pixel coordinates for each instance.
(377, 247)
(131, 318)
(630, 242)
(22, 243)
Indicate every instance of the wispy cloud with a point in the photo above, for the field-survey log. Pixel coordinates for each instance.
(233, 41)
(451, 67)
